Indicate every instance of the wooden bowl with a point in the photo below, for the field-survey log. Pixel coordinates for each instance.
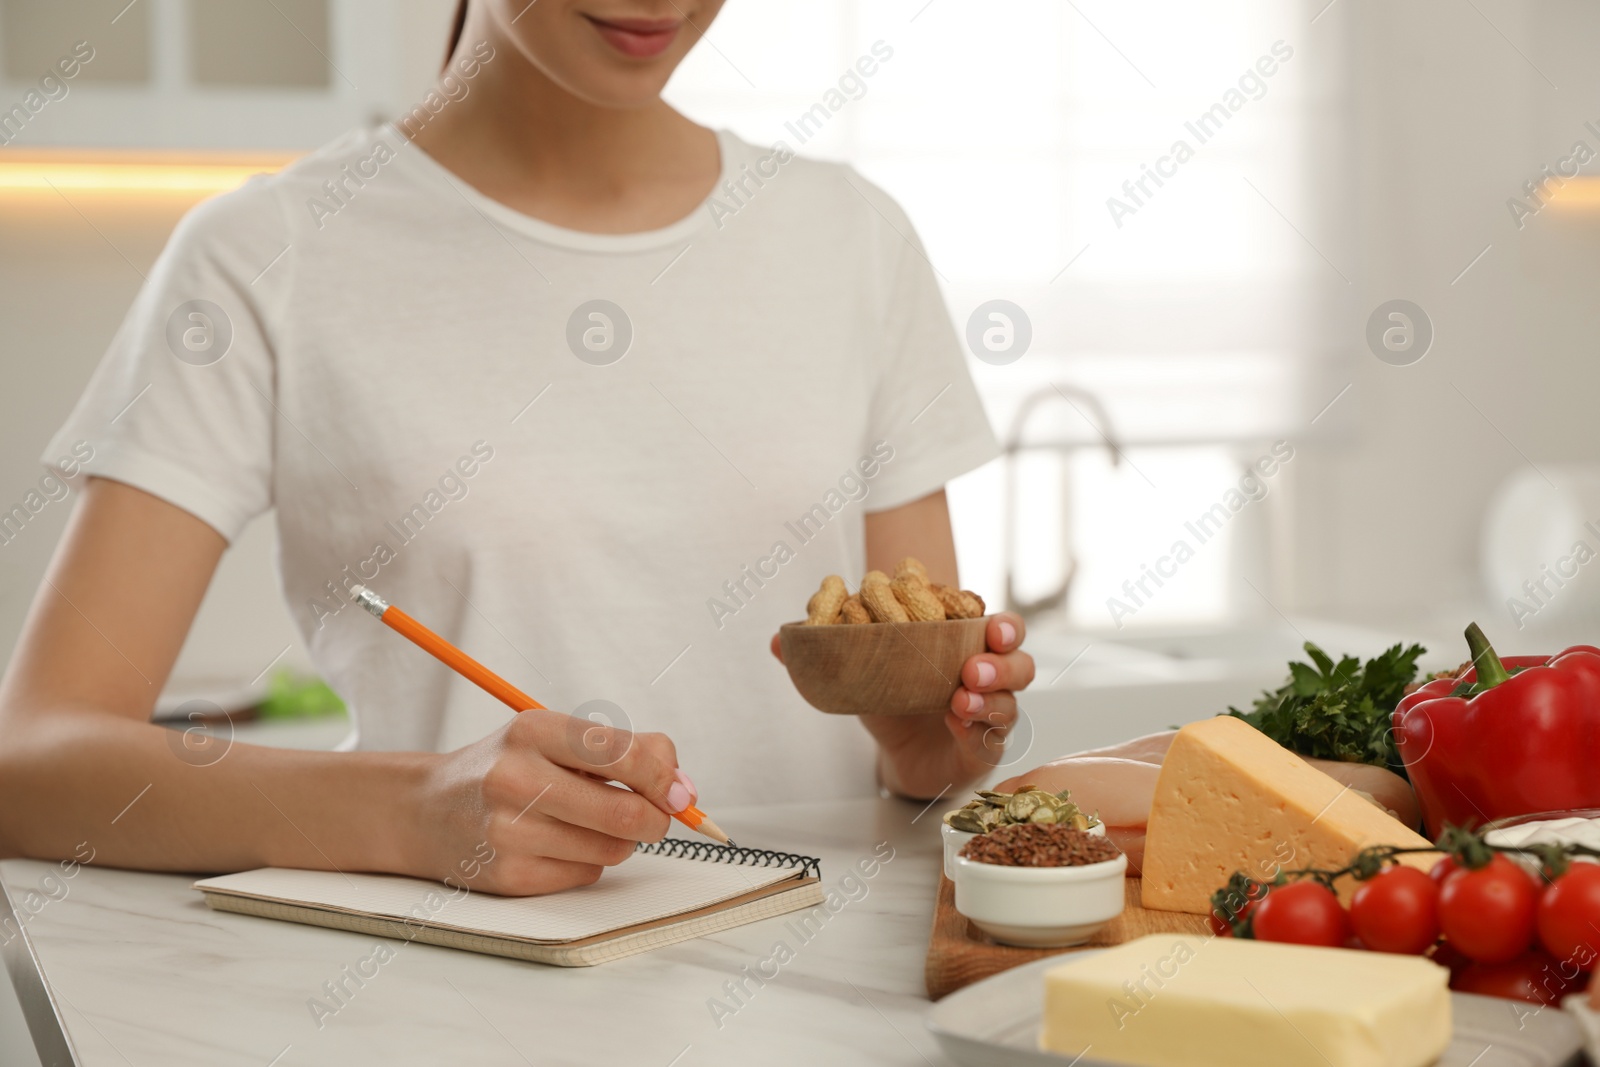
(908, 668)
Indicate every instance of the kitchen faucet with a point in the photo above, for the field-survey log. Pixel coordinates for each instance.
(1073, 396)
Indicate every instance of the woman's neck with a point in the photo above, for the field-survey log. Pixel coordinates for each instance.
(521, 139)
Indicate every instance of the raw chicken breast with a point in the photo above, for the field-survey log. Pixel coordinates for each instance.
(1117, 790)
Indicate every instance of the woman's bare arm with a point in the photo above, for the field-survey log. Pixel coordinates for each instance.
(921, 529)
(82, 765)
(77, 746)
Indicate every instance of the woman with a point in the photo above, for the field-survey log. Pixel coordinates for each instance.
(597, 392)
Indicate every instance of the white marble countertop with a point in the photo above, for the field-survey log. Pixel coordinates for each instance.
(140, 971)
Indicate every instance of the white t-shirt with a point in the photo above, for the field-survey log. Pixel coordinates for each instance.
(597, 505)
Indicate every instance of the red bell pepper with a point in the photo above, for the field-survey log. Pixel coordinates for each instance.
(1508, 737)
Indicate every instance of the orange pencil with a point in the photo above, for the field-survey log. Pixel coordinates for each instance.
(490, 682)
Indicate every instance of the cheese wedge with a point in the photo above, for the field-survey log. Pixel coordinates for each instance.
(1167, 1000)
(1229, 799)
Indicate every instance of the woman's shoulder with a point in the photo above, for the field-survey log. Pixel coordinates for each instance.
(271, 204)
(808, 188)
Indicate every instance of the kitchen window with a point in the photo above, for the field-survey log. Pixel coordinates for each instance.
(1184, 321)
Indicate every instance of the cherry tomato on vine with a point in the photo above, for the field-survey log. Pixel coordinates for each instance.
(1568, 916)
(1535, 976)
(1301, 913)
(1446, 866)
(1488, 913)
(1397, 911)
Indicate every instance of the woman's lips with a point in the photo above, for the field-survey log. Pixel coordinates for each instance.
(639, 38)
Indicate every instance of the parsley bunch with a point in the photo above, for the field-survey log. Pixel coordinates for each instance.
(1338, 711)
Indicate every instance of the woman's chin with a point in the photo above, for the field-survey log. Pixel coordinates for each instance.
(615, 85)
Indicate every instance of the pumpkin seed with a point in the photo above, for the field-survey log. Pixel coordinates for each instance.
(1026, 805)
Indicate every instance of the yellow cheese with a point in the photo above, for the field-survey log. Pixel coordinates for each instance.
(1167, 1000)
(1229, 799)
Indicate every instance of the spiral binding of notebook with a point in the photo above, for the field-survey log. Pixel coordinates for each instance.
(709, 851)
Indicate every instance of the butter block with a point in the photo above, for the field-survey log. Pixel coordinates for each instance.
(1229, 799)
(1169, 1000)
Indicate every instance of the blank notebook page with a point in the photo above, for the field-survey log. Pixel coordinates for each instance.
(645, 888)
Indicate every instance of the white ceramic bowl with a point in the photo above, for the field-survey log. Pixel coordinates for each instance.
(1040, 907)
(955, 839)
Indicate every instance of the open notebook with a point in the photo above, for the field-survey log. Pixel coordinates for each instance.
(669, 892)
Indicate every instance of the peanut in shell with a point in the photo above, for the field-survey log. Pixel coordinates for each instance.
(823, 607)
(914, 595)
(878, 598)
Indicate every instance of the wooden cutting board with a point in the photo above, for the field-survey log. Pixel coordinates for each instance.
(960, 954)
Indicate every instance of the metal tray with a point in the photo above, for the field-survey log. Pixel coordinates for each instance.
(995, 1023)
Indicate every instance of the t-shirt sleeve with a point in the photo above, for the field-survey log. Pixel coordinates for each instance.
(181, 404)
(925, 404)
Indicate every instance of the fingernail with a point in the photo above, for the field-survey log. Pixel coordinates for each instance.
(688, 783)
(1008, 634)
(974, 702)
(985, 672)
(678, 797)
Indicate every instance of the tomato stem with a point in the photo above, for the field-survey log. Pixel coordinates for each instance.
(1371, 861)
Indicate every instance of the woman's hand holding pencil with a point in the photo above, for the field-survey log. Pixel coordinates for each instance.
(536, 795)
(534, 803)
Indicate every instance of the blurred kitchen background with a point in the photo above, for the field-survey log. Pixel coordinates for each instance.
(1357, 153)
